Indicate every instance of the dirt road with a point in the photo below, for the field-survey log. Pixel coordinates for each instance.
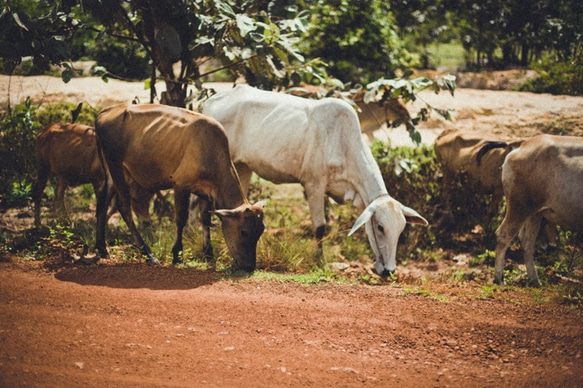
(131, 325)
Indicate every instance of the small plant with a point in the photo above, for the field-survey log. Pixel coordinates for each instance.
(18, 129)
(574, 299)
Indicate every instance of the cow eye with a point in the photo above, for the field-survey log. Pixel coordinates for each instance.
(381, 228)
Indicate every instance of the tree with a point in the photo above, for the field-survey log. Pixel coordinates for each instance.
(358, 38)
(246, 40)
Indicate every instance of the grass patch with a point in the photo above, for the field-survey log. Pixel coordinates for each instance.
(450, 55)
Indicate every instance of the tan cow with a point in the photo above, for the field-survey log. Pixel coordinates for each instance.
(457, 153)
(69, 151)
(163, 147)
(542, 179)
(476, 159)
(373, 115)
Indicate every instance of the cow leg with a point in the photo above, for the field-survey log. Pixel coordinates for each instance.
(181, 203)
(104, 196)
(316, 201)
(38, 191)
(505, 233)
(60, 197)
(548, 235)
(528, 236)
(141, 199)
(205, 218)
(125, 208)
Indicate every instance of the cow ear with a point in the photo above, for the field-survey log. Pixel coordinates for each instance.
(363, 218)
(413, 217)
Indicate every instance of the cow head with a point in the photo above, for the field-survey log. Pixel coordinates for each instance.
(242, 228)
(385, 219)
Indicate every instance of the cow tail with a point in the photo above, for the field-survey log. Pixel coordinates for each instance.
(489, 145)
(103, 191)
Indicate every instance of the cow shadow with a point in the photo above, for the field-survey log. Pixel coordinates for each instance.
(136, 275)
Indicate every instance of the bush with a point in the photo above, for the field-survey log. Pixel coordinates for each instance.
(557, 78)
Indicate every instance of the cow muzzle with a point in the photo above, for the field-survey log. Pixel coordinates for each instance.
(381, 270)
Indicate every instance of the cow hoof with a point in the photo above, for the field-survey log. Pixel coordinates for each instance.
(177, 261)
(152, 260)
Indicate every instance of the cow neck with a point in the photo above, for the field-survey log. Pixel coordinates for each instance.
(367, 179)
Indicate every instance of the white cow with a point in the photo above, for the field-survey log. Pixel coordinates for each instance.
(317, 143)
(542, 179)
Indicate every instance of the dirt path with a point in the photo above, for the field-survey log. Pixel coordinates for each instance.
(133, 325)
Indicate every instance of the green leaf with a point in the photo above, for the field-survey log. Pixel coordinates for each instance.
(245, 24)
(415, 136)
(67, 75)
(370, 96)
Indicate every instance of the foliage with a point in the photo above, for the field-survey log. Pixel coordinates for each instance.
(407, 90)
(557, 77)
(123, 59)
(357, 38)
(246, 38)
(411, 176)
(488, 26)
(37, 29)
(62, 113)
(18, 129)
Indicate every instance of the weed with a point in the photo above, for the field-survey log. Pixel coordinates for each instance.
(424, 292)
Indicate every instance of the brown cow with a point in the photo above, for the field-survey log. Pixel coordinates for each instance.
(476, 158)
(164, 147)
(69, 151)
(542, 179)
(373, 115)
(457, 152)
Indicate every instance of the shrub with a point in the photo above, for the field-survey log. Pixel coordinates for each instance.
(18, 129)
(557, 78)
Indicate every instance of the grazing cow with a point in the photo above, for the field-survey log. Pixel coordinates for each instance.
(542, 178)
(69, 151)
(477, 159)
(163, 147)
(457, 153)
(317, 143)
(373, 115)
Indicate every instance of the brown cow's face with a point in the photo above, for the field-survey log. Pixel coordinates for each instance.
(242, 228)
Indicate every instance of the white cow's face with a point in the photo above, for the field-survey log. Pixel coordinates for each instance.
(385, 220)
(383, 231)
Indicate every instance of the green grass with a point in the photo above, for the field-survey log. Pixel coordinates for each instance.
(450, 55)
